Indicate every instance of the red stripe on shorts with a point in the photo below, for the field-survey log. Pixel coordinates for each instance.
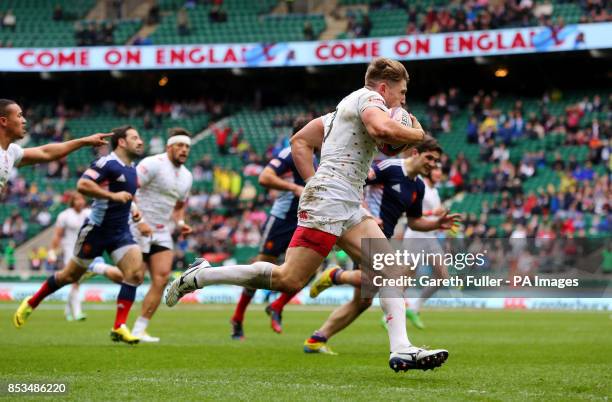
(314, 239)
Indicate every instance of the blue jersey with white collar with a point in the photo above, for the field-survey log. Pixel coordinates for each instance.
(392, 192)
(113, 175)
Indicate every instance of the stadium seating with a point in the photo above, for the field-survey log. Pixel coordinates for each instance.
(36, 28)
(248, 21)
(393, 21)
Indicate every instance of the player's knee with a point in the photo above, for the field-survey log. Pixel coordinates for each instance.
(364, 303)
(291, 285)
(135, 277)
(66, 277)
(160, 279)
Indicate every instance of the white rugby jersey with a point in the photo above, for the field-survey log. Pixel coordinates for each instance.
(431, 201)
(348, 149)
(71, 221)
(8, 159)
(161, 185)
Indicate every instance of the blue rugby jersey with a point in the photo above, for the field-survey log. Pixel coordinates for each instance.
(112, 174)
(397, 193)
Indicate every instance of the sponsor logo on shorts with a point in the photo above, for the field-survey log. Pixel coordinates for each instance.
(269, 245)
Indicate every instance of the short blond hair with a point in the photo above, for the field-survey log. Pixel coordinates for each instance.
(385, 69)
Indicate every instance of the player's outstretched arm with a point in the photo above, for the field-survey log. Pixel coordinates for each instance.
(91, 189)
(51, 152)
(303, 145)
(446, 221)
(383, 128)
(269, 179)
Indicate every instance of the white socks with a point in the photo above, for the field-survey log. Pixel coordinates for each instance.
(100, 268)
(140, 325)
(257, 275)
(395, 314)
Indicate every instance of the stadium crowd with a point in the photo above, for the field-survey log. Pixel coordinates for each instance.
(230, 213)
(471, 15)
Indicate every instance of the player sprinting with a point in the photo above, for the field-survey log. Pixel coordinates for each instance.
(402, 192)
(13, 128)
(165, 184)
(279, 174)
(330, 210)
(67, 228)
(112, 181)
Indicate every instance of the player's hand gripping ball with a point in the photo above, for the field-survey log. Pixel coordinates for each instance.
(400, 115)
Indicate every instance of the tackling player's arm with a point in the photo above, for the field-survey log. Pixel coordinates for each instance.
(51, 152)
(303, 145)
(269, 179)
(90, 188)
(444, 222)
(383, 128)
(417, 221)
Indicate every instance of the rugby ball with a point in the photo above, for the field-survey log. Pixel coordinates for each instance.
(402, 116)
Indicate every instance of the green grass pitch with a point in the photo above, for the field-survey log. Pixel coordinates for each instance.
(494, 355)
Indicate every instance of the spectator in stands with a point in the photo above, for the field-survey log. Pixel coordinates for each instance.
(107, 34)
(207, 167)
(58, 13)
(91, 35)
(153, 17)
(217, 14)
(9, 255)
(365, 27)
(142, 41)
(308, 31)
(118, 8)
(79, 34)
(290, 4)
(9, 21)
(182, 23)
(221, 135)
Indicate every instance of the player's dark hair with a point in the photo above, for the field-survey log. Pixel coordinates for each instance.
(174, 131)
(4, 104)
(429, 144)
(118, 133)
(298, 124)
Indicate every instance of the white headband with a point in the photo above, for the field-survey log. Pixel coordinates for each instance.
(179, 139)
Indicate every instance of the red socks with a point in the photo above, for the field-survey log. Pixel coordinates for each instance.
(125, 299)
(243, 303)
(48, 287)
(280, 303)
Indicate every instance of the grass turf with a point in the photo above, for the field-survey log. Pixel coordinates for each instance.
(494, 355)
